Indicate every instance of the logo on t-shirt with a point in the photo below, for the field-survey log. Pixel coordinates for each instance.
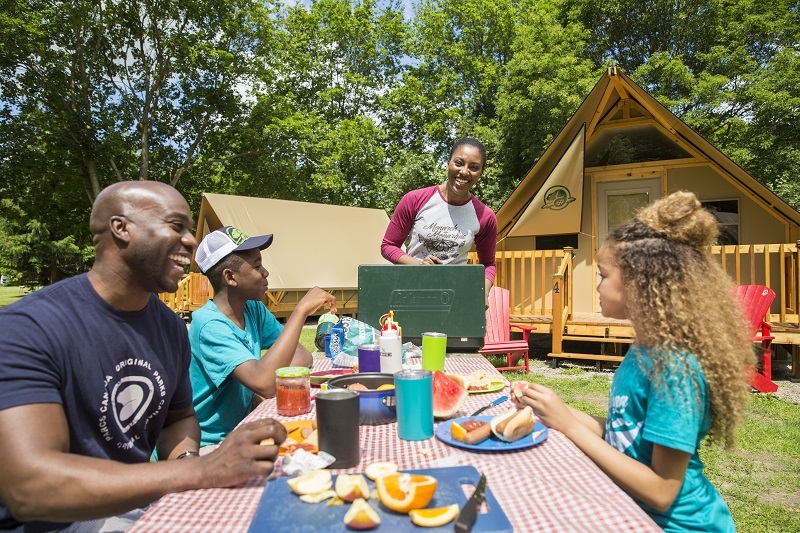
(132, 396)
(621, 432)
(441, 240)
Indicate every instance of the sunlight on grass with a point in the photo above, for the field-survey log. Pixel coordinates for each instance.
(10, 295)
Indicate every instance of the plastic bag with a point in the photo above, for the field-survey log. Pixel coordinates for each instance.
(303, 462)
(351, 334)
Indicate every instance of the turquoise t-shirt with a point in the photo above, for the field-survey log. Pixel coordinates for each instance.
(218, 347)
(678, 418)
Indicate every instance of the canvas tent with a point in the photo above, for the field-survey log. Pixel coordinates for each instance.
(314, 244)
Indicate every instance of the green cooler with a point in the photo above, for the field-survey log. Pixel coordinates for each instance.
(444, 298)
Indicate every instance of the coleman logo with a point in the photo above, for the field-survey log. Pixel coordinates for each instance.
(557, 198)
(422, 299)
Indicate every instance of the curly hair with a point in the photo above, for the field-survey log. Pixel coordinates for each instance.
(678, 300)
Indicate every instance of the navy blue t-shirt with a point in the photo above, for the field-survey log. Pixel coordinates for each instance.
(116, 373)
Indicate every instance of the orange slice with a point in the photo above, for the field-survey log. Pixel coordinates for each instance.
(405, 492)
(435, 517)
(458, 431)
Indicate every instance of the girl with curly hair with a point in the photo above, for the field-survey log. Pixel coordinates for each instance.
(681, 380)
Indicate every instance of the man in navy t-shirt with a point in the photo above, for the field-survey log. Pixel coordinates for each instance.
(94, 378)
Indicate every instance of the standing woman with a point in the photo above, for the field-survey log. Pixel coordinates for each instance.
(444, 220)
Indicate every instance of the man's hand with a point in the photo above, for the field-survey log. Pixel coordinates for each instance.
(241, 455)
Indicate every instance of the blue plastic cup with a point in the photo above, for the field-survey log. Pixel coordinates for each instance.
(414, 392)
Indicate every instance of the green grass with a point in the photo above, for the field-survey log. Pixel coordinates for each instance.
(758, 479)
(307, 337)
(10, 295)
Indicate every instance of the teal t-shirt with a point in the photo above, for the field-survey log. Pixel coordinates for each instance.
(218, 347)
(677, 417)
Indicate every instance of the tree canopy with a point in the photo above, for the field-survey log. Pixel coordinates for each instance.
(353, 102)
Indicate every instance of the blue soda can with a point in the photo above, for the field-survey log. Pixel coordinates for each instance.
(414, 392)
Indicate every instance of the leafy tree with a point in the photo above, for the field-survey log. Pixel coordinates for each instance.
(461, 50)
(548, 78)
(96, 92)
(314, 130)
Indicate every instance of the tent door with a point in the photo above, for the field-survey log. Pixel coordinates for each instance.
(618, 201)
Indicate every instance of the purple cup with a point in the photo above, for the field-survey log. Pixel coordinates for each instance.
(369, 358)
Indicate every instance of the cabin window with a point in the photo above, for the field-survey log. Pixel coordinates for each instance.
(633, 144)
(556, 242)
(727, 213)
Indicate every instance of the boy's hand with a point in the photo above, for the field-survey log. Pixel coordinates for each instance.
(316, 298)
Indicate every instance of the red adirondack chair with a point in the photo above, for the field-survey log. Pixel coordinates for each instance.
(498, 332)
(755, 301)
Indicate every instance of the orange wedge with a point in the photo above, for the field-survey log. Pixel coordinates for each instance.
(435, 517)
(405, 492)
(458, 432)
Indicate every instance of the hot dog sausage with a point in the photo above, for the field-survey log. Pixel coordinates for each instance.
(478, 434)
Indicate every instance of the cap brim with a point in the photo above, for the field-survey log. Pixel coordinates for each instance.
(261, 242)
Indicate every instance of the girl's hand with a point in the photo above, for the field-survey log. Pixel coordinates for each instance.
(546, 404)
(517, 391)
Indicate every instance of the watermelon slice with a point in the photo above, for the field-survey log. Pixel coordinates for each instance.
(448, 396)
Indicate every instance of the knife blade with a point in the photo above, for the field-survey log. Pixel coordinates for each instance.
(498, 401)
(469, 513)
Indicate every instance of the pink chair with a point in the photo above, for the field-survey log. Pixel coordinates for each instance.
(755, 301)
(498, 332)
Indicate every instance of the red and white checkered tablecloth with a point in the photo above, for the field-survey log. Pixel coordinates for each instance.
(550, 487)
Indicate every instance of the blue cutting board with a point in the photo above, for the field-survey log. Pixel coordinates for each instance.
(281, 510)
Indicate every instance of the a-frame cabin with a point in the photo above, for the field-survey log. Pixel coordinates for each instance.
(620, 151)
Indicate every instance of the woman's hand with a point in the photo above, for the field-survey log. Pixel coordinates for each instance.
(431, 260)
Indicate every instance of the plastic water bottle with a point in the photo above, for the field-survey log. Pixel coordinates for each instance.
(391, 345)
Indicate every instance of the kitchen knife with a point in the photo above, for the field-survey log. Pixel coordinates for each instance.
(469, 513)
(498, 401)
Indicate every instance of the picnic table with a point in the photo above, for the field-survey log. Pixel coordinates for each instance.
(550, 487)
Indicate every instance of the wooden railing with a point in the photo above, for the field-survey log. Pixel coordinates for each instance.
(531, 275)
(194, 290)
(528, 275)
(773, 265)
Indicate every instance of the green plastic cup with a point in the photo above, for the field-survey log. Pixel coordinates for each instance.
(434, 346)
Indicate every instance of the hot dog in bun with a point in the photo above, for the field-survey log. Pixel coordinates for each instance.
(513, 424)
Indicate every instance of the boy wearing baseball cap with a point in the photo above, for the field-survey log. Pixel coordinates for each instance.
(229, 332)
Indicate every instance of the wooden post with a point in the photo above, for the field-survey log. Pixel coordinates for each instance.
(558, 313)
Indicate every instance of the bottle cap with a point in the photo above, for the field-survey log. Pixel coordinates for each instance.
(292, 372)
